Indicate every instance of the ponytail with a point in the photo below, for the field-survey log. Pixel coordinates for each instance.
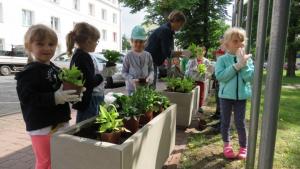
(70, 43)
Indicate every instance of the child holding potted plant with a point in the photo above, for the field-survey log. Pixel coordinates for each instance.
(234, 71)
(175, 69)
(44, 103)
(196, 69)
(86, 37)
(137, 64)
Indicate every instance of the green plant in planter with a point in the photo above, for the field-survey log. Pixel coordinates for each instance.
(143, 98)
(195, 50)
(184, 85)
(73, 76)
(126, 107)
(109, 120)
(201, 69)
(112, 57)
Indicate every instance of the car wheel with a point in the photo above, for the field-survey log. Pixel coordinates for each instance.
(5, 70)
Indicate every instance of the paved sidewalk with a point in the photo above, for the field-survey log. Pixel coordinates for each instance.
(15, 144)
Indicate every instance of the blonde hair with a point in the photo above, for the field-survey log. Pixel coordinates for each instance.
(81, 33)
(38, 32)
(176, 16)
(235, 31)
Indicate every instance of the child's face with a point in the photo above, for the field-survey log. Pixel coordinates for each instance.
(43, 51)
(137, 45)
(91, 45)
(234, 44)
(176, 61)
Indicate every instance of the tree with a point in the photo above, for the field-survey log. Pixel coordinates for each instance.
(205, 18)
(125, 43)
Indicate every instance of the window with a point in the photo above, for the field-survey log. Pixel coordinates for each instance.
(104, 35)
(55, 23)
(1, 44)
(1, 13)
(76, 4)
(115, 36)
(114, 18)
(91, 9)
(27, 17)
(103, 12)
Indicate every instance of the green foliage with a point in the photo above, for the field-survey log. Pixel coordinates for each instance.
(112, 56)
(125, 43)
(126, 106)
(144, 98)
(195, 50)
(108, 119)
(201, 69)
(73, 76)
(184, 85)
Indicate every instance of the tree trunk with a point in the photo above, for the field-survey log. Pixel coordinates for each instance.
(291, 68)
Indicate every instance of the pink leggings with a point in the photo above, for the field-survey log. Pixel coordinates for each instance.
(41, 149)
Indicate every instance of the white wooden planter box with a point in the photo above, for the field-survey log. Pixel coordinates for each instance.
(187, 104)
(148, 148)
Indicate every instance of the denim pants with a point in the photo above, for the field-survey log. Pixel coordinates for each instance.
(239, 108)
(92, 110)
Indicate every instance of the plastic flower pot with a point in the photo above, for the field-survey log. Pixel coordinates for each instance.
(113, 137)
(132, 124)
(70, 86)
(146, 117)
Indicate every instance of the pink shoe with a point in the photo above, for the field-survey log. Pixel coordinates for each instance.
(228, 152)
(242, 153)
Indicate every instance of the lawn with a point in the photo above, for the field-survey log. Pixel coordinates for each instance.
(205, 150)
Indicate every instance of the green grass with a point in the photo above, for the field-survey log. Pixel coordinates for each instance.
(207, 148)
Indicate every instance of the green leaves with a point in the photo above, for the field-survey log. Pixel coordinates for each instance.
(72, 75)
(201, 69)
(195, 50)
(126, 106)
(108, 119)
(112, 56)
(184, 85)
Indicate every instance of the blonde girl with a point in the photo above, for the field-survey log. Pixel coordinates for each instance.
(85, 37)
(44, 104)
(234, 71)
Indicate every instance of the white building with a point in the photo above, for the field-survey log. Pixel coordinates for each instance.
(17, 15)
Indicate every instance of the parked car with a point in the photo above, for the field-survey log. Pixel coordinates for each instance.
(12, 61)
(63, 61)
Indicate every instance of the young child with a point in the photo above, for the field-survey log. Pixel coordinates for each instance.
(234, 71)
(86, 37)
(192, 71)
(43, 102)
(175, 69)
(137, 64)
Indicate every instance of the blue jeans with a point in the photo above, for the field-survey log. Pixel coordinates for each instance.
(92, 110)
(239, 108)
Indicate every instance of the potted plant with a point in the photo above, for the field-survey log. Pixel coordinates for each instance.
(160, 103)
(130, 114)
(110, 67)
(185, 94)
(143, 98)
(111, 125)
(72, 79)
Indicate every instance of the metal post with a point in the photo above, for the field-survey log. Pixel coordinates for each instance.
(234, 14)
(280, 20)
(240, 13)
(257, 80)
(249, 24)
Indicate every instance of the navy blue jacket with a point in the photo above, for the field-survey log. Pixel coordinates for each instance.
(161, 43)
(85, 64)
(36, 85)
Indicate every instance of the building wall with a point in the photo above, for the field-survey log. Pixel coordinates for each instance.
(12, 29)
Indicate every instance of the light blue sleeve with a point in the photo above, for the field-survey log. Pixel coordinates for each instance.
(125, 69)
(248, 71)
(223, 73)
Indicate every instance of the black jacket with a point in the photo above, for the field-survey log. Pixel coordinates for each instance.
(85, 64)
(36, 85)
(161, 43)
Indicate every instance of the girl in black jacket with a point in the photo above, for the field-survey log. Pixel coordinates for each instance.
(86, 37)
(43, 102)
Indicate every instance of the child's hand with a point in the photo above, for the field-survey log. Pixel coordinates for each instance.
(62, 96)
(242, 58)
